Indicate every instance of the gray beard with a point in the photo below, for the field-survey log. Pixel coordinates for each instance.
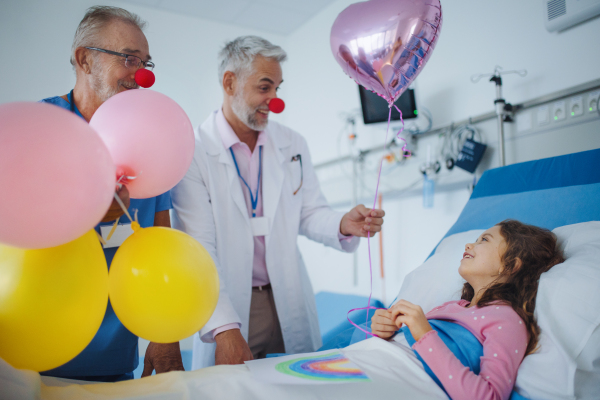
(246, 114)
(102, 90)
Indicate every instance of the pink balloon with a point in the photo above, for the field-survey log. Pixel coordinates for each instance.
(57, 178)
(149, 137)
(384, 44)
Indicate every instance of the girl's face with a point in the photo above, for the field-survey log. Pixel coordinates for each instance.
(481, 263)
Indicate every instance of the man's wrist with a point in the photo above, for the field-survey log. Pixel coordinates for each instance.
(224, 328)
(227, 334)
(174, 345)
(341, 230)
(341, 236)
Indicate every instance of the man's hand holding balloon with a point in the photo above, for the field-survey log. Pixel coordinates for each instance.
(115, 210)
(360, 221)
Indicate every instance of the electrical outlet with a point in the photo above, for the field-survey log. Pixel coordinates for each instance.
(592, 102)
(559, 110)
(576, 106)
(543, 115)
(524, 121)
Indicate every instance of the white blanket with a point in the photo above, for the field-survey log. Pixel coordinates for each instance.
(392, 369)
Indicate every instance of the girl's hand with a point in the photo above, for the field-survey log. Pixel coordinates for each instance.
(382, 324)
(404, 312)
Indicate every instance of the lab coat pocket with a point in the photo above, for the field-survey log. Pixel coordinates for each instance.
(294, 178)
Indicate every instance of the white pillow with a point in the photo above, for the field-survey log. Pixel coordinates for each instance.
(568, 311)
(568, 305)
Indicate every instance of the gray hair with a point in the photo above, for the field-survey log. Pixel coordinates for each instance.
(237, 56)
(95, 19)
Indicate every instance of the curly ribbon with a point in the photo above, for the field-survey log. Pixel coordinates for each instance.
(120, 202)
(100, 238)
(122, 180)
(112, 230)
(369, 306)
(135, 225)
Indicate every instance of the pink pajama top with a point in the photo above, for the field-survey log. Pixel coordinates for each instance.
(504, 338)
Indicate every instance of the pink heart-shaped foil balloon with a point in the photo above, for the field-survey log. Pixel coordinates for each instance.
(384, 44)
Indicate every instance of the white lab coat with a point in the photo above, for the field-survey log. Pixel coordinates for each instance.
(209, 205)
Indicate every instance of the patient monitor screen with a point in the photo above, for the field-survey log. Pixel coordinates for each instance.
(375, 108)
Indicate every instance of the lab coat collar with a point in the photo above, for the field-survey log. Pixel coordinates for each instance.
(273, 173)
(214, 145)
(228, 136)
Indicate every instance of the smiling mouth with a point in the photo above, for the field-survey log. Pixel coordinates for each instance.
(127, 87)
(263, 112)
(467, 255)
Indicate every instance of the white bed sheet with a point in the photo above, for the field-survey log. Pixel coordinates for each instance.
(394, 373)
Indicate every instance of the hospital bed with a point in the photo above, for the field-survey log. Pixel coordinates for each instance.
(560, 193)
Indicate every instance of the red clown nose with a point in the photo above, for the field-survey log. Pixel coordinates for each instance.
(276, 105)
(144, 77)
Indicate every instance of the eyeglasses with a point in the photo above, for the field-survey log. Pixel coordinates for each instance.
(130, 61)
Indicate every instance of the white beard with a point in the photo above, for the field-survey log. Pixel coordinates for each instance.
(103, 90)
(246, 114)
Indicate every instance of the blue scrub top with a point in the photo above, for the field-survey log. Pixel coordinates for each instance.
(114, 349)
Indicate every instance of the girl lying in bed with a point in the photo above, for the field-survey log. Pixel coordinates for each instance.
(502, 269)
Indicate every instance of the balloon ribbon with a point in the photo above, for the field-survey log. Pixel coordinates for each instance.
(369, 307)
(134, 222)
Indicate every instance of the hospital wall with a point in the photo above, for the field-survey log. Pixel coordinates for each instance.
(475, 37)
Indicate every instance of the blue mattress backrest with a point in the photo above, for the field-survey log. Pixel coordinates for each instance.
(549, 193)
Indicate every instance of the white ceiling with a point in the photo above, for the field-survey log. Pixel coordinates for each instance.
(276, 16)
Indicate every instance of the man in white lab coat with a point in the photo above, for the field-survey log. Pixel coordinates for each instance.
(251, 189)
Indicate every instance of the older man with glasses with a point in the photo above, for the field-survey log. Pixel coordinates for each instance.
(249, 193)
(108, 49)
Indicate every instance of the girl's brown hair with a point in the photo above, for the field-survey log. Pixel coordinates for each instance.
(537, 250)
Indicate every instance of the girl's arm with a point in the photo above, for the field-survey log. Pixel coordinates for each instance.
(503, 350)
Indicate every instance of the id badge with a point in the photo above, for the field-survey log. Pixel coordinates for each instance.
(260, 226)
(122, 232)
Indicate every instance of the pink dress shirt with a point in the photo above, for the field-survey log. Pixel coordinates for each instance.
(504, 338)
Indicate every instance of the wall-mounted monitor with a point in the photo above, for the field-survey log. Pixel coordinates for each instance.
(375, 108)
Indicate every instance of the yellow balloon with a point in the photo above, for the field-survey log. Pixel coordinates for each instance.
(52, 301)
(163, 284)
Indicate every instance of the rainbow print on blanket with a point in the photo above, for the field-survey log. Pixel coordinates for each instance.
(333, 367)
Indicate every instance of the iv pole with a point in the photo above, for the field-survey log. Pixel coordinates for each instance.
(500, 105)
(503, 109)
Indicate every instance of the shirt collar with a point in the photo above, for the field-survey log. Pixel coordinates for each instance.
(228, 136)
(71, 105)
